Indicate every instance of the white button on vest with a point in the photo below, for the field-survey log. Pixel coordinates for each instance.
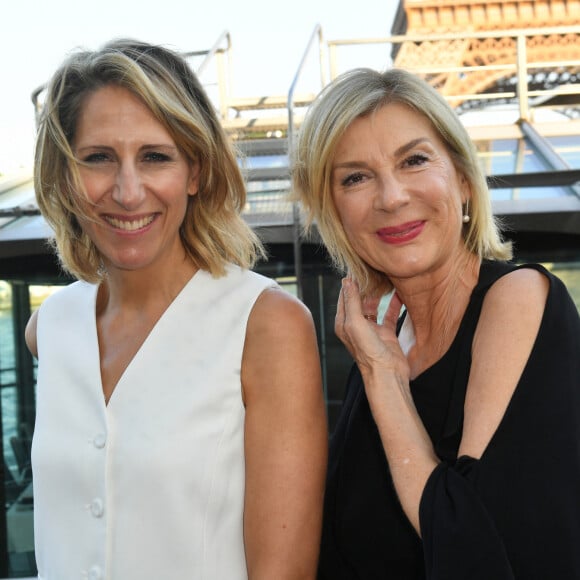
(99, 440)
(97, 507)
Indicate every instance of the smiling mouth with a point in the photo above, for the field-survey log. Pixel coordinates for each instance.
(402, 233)
(129, 225)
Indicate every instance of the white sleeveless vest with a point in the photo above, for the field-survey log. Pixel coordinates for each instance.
(150, 487)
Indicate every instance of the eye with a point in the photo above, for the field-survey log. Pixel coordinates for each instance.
(156, 157)
(97, 157)
(352, 179)
(415, 160)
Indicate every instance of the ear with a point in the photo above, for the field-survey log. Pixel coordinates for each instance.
(193, 181)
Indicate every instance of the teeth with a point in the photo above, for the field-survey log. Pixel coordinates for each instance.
(129, 226)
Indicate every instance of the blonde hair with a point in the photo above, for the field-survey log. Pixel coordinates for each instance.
(358, 93)
(213, 231)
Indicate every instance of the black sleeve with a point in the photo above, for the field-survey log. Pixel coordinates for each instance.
(460, 539)
(515, 513)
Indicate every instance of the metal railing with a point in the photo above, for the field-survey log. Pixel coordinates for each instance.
(221, 52)
(223, 58)
(519, 65)
(297, 235)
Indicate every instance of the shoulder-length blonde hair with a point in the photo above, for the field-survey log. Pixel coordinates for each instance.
(213, 231)
(358, 93)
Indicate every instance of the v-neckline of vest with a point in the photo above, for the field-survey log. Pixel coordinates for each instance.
(197, 275)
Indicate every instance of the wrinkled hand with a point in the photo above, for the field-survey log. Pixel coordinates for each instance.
(375, 347)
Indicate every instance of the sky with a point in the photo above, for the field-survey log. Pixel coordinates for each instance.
(268, 40)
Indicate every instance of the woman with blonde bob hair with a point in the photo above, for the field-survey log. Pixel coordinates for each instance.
(457, 452)
(180, 428)
(213, 231)
(355, 94)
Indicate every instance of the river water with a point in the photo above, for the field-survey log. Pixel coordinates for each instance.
(7, 393)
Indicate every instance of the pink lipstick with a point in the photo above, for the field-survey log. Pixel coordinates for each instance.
(402, 233)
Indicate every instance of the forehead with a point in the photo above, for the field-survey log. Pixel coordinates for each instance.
(116, 110)
(111, 98)
(391, 126)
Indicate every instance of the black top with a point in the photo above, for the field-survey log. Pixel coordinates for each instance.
(514, 513)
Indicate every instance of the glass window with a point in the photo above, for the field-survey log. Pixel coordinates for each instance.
(568, 148)
(504, 156)
(17, 392)
(16, 439)
(516, 156)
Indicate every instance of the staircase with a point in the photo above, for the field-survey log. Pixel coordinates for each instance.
(265, 166)
(262, 129)
(267, 115)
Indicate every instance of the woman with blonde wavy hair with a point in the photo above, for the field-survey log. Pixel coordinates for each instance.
(457, 453)
(180, 427)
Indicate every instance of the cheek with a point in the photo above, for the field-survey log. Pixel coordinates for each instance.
(179, 205)
(349, 214)
(348, 226)
(353, 227)
(357, 235)
(175, 187)
(449, 222)
(94, 186)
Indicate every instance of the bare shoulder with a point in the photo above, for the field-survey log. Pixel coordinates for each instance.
(524, 287)
(507, 329)
(280, 345)
(275, 309)
(511, 315)
(30, 334)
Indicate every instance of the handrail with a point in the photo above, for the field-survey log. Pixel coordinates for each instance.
(215, 51)
(290, 102)
(224, 71)
(297, 235)
(415, 37)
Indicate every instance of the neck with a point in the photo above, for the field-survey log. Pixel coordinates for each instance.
(435, 305)
(143, 290)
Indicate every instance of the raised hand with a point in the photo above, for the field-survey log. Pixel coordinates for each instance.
(373, 346)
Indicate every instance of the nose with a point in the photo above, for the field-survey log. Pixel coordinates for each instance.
(391, 194)
(129, 190)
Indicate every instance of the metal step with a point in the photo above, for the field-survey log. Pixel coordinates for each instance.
(267, 174)
(247, 125)
(268, 102)
(257, 147)
(277, 147)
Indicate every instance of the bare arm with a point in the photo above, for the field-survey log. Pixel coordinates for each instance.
(30, 334)
(385, 373)
(515, 305)
(285, 440)
(509, 323)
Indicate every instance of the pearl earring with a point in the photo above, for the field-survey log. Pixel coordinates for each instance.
(466, 219)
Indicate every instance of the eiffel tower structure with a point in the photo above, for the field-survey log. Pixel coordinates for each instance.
(464, 34)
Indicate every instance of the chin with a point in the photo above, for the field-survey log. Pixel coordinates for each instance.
(129, 264)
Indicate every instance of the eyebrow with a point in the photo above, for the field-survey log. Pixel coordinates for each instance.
(146, 147)
(408, 146)
(398, 152)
